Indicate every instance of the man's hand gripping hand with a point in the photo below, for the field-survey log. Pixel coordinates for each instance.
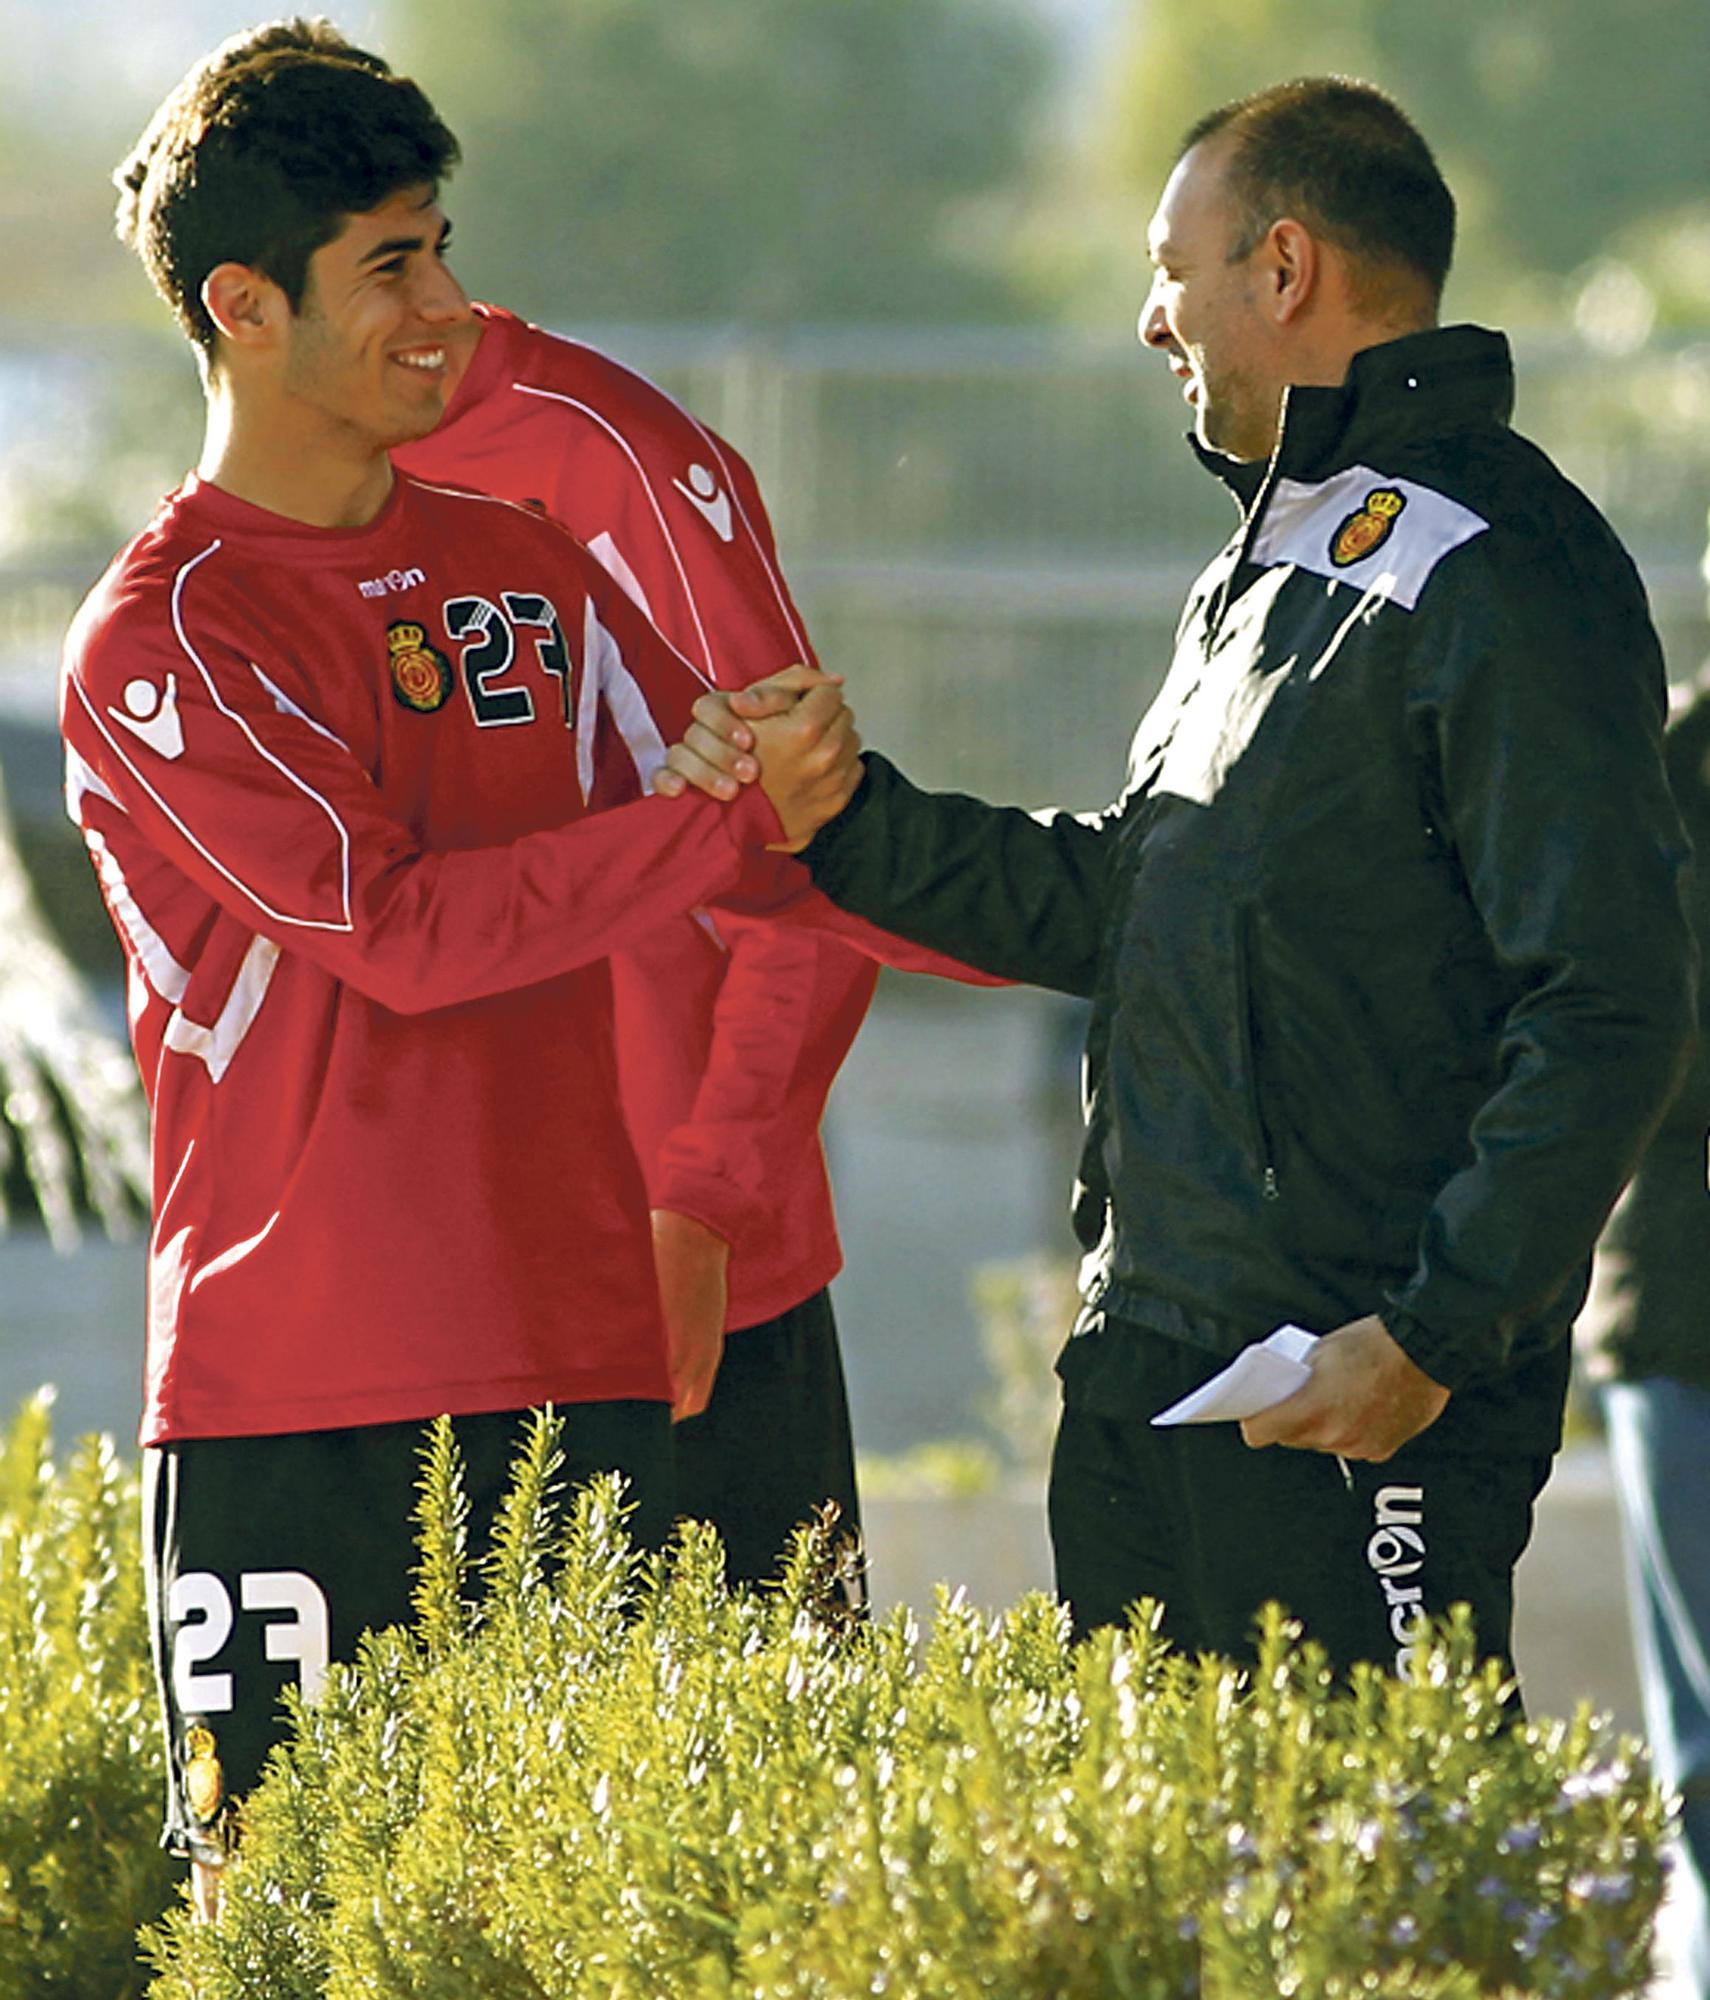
(792, 732)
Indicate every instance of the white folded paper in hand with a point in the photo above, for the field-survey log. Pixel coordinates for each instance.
(1259, 1376)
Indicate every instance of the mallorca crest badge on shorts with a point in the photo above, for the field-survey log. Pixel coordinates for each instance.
(1370, 525)
(204, 1779)
(421, 674)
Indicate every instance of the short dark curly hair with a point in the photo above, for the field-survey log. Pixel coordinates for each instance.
(1344, 158)
(260, 155)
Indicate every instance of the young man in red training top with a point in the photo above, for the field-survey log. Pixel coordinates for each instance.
(729, 1035)
(335, 738)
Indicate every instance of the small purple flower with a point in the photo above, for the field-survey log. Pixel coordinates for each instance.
(1615, 1888)
(1538, 1926)
(1405, 1930)
(1602, 1781)
(1520, 1839)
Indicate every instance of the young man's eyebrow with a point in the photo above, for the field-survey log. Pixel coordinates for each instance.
(395, 246)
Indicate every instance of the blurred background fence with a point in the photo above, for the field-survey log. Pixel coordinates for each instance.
(990, 532)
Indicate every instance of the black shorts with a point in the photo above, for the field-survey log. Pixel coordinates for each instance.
(773, 1444)
(267, 1558)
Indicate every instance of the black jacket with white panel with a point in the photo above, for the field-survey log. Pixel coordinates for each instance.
(1390, 974)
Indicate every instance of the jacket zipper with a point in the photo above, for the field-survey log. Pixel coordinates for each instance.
(1259, 1139)
(1243, 544)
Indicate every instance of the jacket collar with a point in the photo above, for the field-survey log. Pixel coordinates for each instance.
(1426, 383)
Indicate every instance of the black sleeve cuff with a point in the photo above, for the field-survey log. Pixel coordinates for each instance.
(820, 854)
(1424, 1348)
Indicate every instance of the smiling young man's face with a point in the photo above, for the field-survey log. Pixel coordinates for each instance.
(372, 349)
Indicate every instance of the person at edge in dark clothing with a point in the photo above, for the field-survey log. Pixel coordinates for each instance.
(1643, 1338)
(1390, 973)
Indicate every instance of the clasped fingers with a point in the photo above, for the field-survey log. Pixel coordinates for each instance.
(713, 755)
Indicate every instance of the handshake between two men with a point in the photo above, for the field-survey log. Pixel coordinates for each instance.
(793, 733)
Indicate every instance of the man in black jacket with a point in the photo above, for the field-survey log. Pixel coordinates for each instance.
(1384, 937)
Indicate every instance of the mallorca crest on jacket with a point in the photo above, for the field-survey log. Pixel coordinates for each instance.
(1368, 527)
(421, 674)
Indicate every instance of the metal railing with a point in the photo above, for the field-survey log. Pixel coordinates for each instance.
(989, 530)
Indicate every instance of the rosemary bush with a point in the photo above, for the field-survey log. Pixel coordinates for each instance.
(80, 1752)
(611, 1776)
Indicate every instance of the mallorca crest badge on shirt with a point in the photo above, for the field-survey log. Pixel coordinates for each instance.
(421, 674)
(204, 1780)
(1370, 525)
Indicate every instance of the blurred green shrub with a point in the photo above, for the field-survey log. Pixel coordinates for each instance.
(80, 1802)
(1026, 1306)
(613, 1777)
(953, 1468)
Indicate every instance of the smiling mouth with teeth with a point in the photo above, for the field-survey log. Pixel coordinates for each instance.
(423, 358)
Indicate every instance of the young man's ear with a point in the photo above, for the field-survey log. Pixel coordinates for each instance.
(248, 309)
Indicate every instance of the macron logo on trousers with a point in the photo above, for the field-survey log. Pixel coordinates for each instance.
(1396, 1553)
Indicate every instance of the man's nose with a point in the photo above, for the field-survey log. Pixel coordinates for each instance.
(1152, 327)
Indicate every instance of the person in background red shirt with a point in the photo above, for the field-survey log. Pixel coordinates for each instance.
(728, 1037)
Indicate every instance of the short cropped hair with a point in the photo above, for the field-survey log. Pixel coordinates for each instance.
(1346, 160)
(262, 153)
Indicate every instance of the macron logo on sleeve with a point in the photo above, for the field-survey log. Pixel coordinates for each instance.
(151, 715)
(708, 498)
